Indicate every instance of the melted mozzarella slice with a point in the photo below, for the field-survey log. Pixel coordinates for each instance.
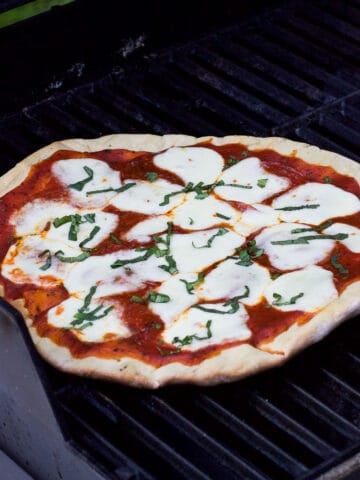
(180, 299)
(332, 202)
(290, 257)
(111, 281)
(224, 327)
(229, 280)
(107, 328)
(192, 164)
(353, 240)
(142, 231)
(255, 217)
(107, 222)
(71, 171)
(34, 216)
(23, 262)
(191, 259)
(315, 283)
(146, 197)
(196, 214)
(248, 172)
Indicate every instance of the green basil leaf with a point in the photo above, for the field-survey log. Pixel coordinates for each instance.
(81, 184)
(151, 176)
(262, 182)
(279, 301)
(190, 338)
(80, 258)
(299, 207)
(219, 233)
(335, 263)
(308, 238)
(47, 263)
(117, 190)
(191, 285)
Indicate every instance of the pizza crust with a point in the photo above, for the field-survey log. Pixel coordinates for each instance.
(232, 363)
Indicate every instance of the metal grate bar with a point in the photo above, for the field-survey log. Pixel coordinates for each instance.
(285, 422)
(312, 404)
(295, 60)
(270, 94)
(315, 15)
(231, 94)
(181, 119)
(210, 107)
(274, 72)
(113, 458)
(341, 48)
(265, 447)
(218, 459)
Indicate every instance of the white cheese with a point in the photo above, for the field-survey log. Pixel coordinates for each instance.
(35, 217)
(248, 172)
(353, 240)
(22, 263)
(107, 328)
(146, 197)
(191, 259)
(224, 327)
(180, 299)
(255, 217)
(143, 230)
(229, 280)
(72, 171)
(315, 283)
(290, 257)
(332, 201)
(111, 281)
(191, 164)
(196, 214)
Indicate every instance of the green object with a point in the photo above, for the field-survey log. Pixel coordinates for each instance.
(28, 10)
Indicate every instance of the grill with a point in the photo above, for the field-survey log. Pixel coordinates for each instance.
(288, 71)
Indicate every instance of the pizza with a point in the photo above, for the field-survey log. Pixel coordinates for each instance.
(150, 260)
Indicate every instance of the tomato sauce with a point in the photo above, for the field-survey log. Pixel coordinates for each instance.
(265, 322)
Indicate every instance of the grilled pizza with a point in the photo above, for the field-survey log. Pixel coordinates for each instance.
(150, 260)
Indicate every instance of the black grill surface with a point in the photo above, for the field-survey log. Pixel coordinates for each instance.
(289, 72)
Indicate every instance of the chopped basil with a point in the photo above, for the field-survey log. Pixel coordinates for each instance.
(80, 258)
(117, 190)
(327, 180)
(220, 215)
(121, 263)
(151, 176)
(246, 255)
(219, 233)
(313, 229)
(47, 263)
(308, 238)
(262, 182)
(279, 302)
(83, 315)
(230, 162)
(190, 338)
(153, 297)
(157, 326)
(92, 234)
(300, 207)
(335, 263)
(137, 299)
(191, 285)
(75, 222)
(81, 184)
(115, 239)
(154, 250)
(244, 153)
(275, 275)
(233, 303)
(202, 191)
(171, 266)
(191, 221)
(156, 297)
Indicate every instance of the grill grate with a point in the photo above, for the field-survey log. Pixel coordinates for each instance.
(292, 73)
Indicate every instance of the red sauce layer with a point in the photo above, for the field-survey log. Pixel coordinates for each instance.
(145, 343)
